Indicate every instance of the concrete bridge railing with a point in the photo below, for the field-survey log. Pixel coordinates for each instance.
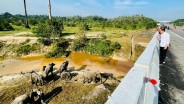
(141, 84)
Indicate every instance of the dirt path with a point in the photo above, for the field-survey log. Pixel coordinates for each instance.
(16, 38)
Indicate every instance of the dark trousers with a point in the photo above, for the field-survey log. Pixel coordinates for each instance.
(162, 54)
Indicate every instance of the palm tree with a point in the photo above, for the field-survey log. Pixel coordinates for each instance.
(27, 26)
(49, 5)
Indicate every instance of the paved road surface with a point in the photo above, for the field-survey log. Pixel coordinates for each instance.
(172, 72)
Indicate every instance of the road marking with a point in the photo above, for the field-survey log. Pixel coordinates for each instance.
(176, 35)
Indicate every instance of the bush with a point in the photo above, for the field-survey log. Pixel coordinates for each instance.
(23, 49)
(55, 52)
(103, 36)
(80, 43)
(84, 26)
(17, 23)
(5, 26)
(103, 48)
(43, 30)
(45, 41)
(58, 49)
(36, 47)
(115, 46)
(98, 46)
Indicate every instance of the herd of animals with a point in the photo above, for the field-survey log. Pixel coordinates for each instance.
(48, 72)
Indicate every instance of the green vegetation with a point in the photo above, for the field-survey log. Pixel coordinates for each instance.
(58, 49)
(178, 22)
(50, 31)
(45, 41)
(99, 46)
(49, 28)
(25, 48)
(84, 23)
(5, 26)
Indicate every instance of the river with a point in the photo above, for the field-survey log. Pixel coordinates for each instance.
(76, 60)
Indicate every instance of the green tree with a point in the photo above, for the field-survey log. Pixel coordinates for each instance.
(43, 30)
(57, 27)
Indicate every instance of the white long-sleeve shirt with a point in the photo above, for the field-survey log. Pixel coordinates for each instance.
(164, 39)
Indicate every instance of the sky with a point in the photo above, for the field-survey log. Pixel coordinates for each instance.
(160, 10)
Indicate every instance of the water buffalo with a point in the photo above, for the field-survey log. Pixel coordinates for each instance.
(106, 76)
(49, 69)
(37, 78)
(91, 76)
(66, 76)
(63, 67)
(28, 98)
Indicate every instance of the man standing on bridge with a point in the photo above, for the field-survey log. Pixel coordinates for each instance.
(164, 43)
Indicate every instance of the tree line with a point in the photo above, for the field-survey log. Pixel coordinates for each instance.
(178, 22)
(86, 23)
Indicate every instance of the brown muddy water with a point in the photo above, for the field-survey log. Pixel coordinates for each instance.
(76, 60)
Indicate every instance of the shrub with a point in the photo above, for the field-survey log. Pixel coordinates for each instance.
(115, 46)
(36, 47)
(103, 36)
(98, 46)
(103, 48)
(4, 25)
(17, 23)
(26, 48)
(55, 52)
(80, 43)
(45, 41)
(58, 49)
(23, 49)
